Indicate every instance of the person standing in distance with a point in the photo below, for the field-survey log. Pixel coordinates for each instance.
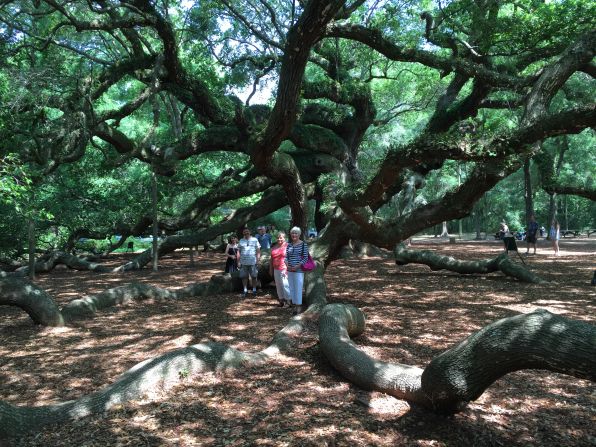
(249, 254)
(264, 238)
(532, 233)
(555, 235)
(231, 255)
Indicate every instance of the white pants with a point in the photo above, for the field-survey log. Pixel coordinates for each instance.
(296, 279)
(282, 285)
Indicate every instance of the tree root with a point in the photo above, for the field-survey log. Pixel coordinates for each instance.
(146, 379)
(43, 310)
(538, 340)
(142, 381)
(501, 263)
(151, 376)
(48, 262)
(339, 322)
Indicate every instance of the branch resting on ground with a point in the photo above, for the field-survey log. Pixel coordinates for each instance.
(538, 340)
(501, 263)
(461, 374)
(153, 375)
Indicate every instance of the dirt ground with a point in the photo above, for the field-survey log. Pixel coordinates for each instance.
(412, 314)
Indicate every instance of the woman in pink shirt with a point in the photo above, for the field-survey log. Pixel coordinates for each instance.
(279, 270)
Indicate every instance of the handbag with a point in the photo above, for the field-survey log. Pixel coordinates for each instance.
(309, 265)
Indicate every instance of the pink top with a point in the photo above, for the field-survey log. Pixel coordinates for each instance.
(278, 257)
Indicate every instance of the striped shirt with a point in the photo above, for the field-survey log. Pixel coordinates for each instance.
(296, 254)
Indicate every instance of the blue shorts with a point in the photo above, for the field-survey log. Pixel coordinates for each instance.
(246, 270)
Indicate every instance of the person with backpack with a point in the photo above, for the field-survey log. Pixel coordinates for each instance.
(296, 257)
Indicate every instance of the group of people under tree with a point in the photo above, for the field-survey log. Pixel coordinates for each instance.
(531, 233)
(285, 267)
(263, 237)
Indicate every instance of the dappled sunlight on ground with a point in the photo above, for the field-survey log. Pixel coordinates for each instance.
(412, 315)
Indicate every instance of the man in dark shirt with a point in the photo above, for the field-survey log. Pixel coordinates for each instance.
(264, 238)
(532, 233)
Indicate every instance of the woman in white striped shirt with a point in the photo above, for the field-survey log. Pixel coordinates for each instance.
(296, 256)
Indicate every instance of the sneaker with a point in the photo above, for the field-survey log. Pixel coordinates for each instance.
(243, 295)
(254, 293)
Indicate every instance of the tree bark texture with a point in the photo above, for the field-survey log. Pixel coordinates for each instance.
(38, 304)
(501, 263)
(538, 340)
(48, 262)
(32, 244)
(529, 200)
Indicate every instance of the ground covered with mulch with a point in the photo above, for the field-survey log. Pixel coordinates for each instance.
(412, 314)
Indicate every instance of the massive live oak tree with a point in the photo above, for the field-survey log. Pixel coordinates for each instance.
(477, 82)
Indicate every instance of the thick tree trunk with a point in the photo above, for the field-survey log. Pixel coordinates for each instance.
(528, 190)
(42, 309)
(31, 238)
(339, 322)
(501, 263)
(154, 252)
(539, 340)
(319, 218)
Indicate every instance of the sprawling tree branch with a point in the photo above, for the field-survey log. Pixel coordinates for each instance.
(503, 263)
(538, 340)
(375, 40)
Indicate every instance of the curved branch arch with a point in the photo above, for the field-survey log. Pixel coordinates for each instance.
(538, 340)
